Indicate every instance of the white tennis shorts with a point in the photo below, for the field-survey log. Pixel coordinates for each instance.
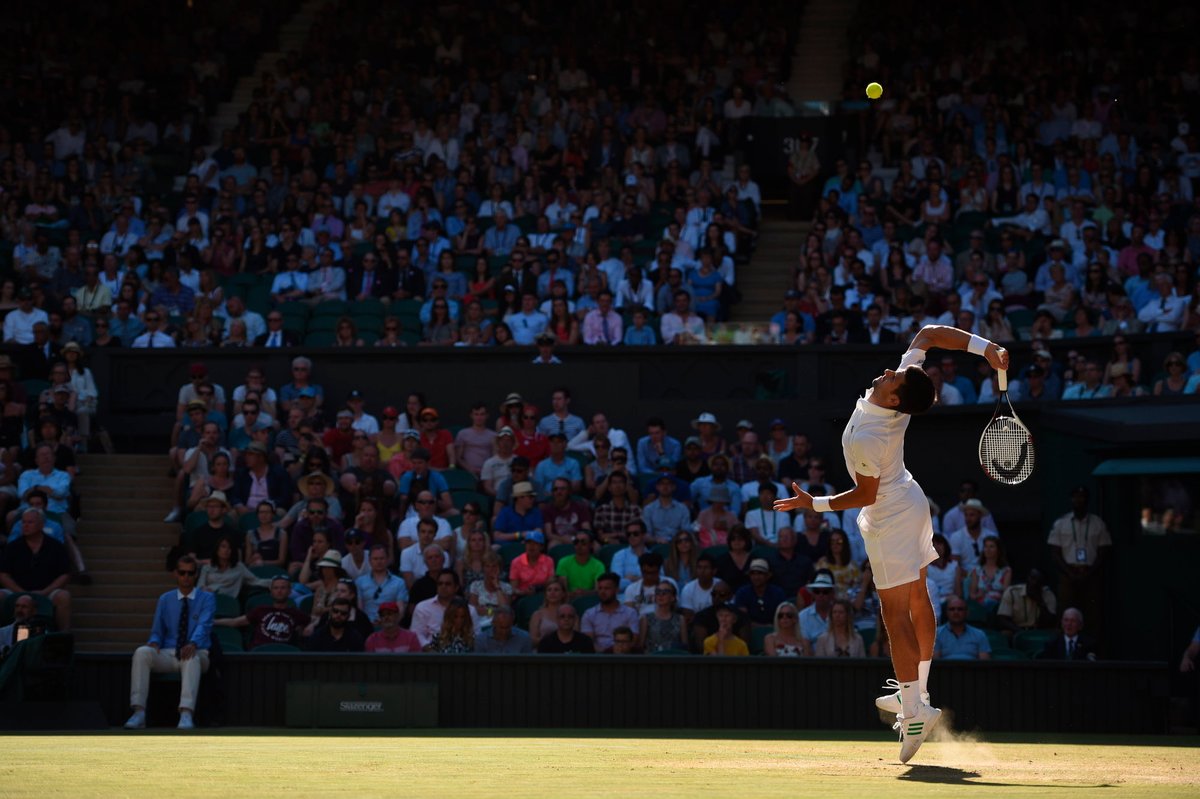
(898, 533)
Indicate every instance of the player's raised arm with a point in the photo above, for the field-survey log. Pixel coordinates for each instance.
(951, 338)
(862, 495)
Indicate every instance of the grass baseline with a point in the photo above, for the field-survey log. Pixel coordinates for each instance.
(586, 763)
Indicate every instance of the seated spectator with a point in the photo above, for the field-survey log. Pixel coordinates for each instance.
(391, 637)
(601, 620)
(457, 633)
(425, 506)
(301, 375)
(656, 451)
(716, 520)
(1071, 643)
(957, 640)
(967, 542)
(725, 640)
(315, 520)
(366, 480)
(428, 616)
(489, 593)
(616, 508)
(580, 569)
(259, 480)
(24, 610)
(733, 566)
(785, 639)
(814, 619)
(337, 635)
(496, 468)
(1030, 605)
(201, 542)
(1176, 380)
(991, 575)
(346, 589)
(841, 640)
(764, 523)
(696, 595)
(639, 595)
(532, 569)
(665, 516)
(226, 574)
(379, 585)
(664, 627)
(1091, 387)
(840, 564)
(503, 638)
(179, 641)
(759, 598)
(944, 572)
(566, 639)
(315, 486)
(280, 622)
(704, 622)
(46, 478)
(557, 466)
(413, 557)
(522, 519)
(37, 564)
(791, 569)
(475, 444)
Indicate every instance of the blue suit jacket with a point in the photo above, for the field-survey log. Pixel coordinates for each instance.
(202, 606)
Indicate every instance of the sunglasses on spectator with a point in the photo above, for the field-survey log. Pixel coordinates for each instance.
(527, 416)
(424, 502)
(186, 572)
(787, 615)
(822, 591)
(620, 460)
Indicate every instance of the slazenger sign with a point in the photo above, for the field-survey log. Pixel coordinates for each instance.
(360, 707)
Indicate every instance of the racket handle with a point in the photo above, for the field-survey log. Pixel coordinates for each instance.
(1002, 379)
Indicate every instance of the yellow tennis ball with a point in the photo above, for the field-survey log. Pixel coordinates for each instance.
(874, 91)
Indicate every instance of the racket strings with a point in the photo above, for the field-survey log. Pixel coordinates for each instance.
(1006, 451)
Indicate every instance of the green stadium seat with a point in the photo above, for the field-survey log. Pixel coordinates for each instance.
(607, 552)
(717, 551)
(582, 602)
(758, 637)
(322, 324)
(1032, 642)
(868, 636)
(526, 607)
(509, 551)
(332, 308)
(247, 522)
(268, 571)
(281, 649)
(461, 498)
(319, 338)
(1009, 654)
(996, 639)
(228, 607)
(306, 604)
(662, 549)
(582, 458)
(406, 307)
(371, 306)
(672, 652)
(230, 638)
(459, 479)
(411, 337)
(368, 324)
(296, 309)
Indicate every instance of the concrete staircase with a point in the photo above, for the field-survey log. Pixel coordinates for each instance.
(124, 542)
(769, 274)
(821, 51)
(291, 37)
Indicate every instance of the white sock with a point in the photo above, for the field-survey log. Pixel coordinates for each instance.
(923, 675)
(909, 699)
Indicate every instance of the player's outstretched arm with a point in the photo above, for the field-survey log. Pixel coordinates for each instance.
(944, 337)
(862, 495)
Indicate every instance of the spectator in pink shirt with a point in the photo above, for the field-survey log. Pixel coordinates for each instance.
(531, 570)
(602, 325)
(392, 638)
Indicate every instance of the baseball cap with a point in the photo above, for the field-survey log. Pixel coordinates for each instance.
(390, 412)
(199, 370)
(792, 294)
(777, 422)
(536, 536)
(345, 414)
(388, 607)
(506, 431)
(760, 565)
(355, 394)
(428, 412)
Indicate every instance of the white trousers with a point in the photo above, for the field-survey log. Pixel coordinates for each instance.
(147, 659)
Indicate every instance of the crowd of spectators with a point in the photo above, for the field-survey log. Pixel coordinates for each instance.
(1040, 188)
(552, 532)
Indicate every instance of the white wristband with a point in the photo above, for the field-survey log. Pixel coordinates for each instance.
(822, 504)
(978, 345)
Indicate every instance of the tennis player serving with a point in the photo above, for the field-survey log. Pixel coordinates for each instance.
(895, 521)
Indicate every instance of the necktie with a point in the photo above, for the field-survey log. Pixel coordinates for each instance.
(275, 339)
(181, 638)
(607, 330)
(1070, 648)
(150, 340)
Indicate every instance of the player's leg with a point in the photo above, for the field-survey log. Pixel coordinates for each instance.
(902, 635)
(917, 719)
(925, 625)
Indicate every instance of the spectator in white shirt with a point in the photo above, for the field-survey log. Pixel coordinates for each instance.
(1162, 315)
(18, 325)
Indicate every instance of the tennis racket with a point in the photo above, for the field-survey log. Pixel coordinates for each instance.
(1006, 447)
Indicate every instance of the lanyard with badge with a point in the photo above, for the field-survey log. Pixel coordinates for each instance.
(762, 515)
(1080, 551)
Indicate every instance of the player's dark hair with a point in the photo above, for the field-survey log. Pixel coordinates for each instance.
(916, 394)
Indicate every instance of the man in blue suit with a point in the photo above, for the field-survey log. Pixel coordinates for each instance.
(179, 641)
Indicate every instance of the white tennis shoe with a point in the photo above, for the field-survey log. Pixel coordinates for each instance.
(890, 703)
(914, 731)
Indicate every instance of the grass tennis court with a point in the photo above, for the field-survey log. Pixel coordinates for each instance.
(468, 764)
